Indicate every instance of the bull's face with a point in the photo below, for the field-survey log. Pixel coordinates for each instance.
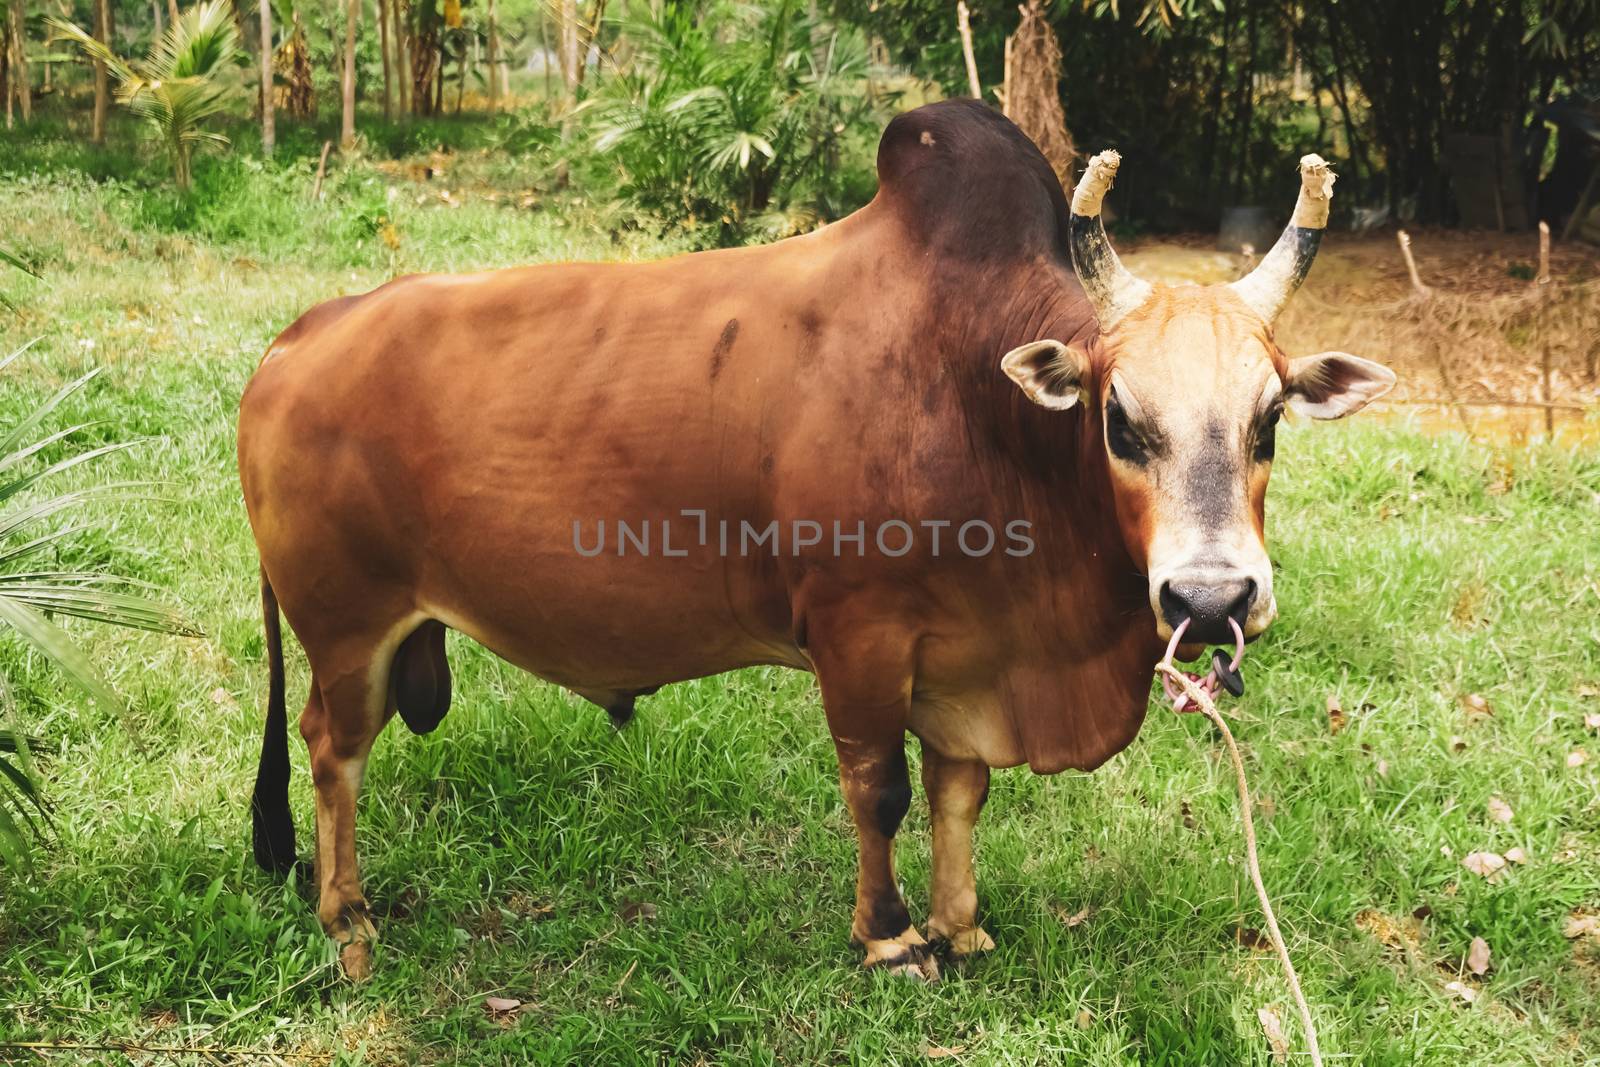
(1189, 387)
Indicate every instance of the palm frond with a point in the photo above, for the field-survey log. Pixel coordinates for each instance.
(178, 86)
(31, 596)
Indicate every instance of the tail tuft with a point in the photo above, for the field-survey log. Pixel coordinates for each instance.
(271, 824)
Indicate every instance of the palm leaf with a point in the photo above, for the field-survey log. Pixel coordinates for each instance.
(29, 597)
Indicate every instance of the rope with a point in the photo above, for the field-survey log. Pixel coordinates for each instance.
(1199, 695)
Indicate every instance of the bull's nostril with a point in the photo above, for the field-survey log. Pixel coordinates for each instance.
(1174, 608)
(1208, 604)
(1239, 610)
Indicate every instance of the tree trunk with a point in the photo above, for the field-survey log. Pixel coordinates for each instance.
(102, 79)
(494, 62)
(155, 17)
(569, 48)
(402, 69)
(588, 35)
(347, 124)
(269, 131)
(19, 45)
(423, 45)
(461, 77)
(172, 12)
(383, 47)
(5, 71)
(544, 54)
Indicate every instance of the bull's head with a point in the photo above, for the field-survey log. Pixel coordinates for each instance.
(1190, 386)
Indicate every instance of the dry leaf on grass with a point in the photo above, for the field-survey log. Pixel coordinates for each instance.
(1462, 990)
(1499, 810)
(1487, 864)
(638, 911)
(1580, 924)
(1516, 855)
(1592, 720)
(939, 1052)
(1251, 938)
(1336, 718)
(1077, 918)
(1084, 1018)
(501, 1005)
(1458, 743)
(1476, 707)
(1478, 956)
(1394, 933)
(1273, 1027)
(1577, 758)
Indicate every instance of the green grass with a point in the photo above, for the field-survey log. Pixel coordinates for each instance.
(507, 846)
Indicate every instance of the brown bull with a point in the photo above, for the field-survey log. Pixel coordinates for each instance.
(813, 454)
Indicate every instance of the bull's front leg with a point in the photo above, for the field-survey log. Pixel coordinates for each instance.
(865, 676)
(877, 788)
(956, 792)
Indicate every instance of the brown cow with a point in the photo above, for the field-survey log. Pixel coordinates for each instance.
(443, 452)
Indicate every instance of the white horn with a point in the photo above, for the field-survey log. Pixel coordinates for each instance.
(1267, 289)
(1112, 291)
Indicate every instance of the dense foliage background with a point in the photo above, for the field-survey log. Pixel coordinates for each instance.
(738, 115)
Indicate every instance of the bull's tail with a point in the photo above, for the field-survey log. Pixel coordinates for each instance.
(272, 826)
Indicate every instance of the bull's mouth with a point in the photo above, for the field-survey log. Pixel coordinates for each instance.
(1191, 650)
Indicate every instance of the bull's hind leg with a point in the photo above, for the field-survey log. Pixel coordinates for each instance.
(347, 709)
(956, 791)
(866, 691)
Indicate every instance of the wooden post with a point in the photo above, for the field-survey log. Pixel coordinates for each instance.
(322, 168)
(1544, 290)
(1411, 264)
(1423, 293)
(964, 25)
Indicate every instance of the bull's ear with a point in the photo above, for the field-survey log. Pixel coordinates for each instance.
(1048, 371)
(1331, 385)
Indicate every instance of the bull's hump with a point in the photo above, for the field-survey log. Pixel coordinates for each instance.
(965, 179)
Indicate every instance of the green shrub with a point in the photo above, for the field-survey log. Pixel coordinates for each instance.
(739, 118)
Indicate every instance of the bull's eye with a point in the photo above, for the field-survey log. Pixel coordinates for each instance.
(1266, 435)
(1121, 438)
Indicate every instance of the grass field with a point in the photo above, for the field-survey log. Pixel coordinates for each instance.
(511, 852)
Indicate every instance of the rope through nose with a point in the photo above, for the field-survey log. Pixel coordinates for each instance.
(1209, 683)
(1192, 688)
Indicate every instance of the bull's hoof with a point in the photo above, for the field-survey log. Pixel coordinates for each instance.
(356, 961)
(355, 938)
(921, 966)
(907, 955)
(960, 945)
